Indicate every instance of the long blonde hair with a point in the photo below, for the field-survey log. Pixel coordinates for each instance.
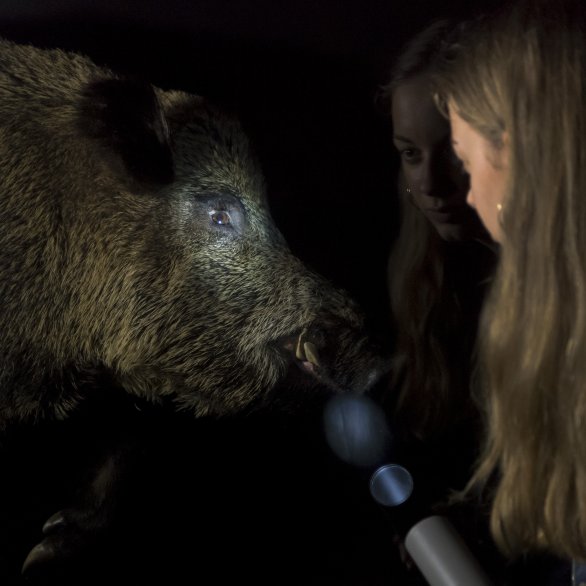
(524, 72)
(435, 288)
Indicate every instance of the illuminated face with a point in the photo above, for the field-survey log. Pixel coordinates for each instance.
(433, 174)
(488, 170)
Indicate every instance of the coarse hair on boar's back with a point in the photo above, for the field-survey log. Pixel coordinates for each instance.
(136, 240)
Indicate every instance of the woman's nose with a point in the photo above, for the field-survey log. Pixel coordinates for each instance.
(431, 180)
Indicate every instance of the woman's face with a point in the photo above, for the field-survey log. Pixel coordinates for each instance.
(432, 172)
(488, 170)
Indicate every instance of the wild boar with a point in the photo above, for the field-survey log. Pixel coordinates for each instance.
(137, 246)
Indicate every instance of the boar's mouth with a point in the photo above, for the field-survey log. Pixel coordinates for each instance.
(303, 352)
(333, 367)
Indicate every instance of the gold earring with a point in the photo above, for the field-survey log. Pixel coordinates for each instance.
(499, 209)
(408, 190)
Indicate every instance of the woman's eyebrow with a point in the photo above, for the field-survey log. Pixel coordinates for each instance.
(401, 138)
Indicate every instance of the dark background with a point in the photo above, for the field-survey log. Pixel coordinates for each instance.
(303, 75)
(261, 500)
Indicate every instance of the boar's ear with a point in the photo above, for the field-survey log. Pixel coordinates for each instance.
(127, 115)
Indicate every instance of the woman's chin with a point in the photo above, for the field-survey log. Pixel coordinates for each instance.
(454, 232)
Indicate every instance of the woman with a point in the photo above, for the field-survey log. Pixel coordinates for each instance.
(515, 92)
(442, 258)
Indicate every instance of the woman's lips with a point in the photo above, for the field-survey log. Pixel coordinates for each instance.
(447, 215)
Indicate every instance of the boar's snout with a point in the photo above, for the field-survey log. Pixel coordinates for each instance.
(339, 358)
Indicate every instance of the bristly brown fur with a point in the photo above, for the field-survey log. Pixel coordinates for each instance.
(110, 260)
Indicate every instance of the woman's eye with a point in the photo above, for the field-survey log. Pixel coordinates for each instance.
(221, 218)
(409, 155)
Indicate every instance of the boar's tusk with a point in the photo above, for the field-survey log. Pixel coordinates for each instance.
(311, 353)
(299, 353)
(306, 352)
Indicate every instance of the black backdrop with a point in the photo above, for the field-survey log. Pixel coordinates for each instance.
(236, 501)
(301, 74)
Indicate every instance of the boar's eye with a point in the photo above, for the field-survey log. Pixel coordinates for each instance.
(221, 218)
(223, 214)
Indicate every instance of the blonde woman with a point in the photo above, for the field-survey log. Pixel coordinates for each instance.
(515, 93)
